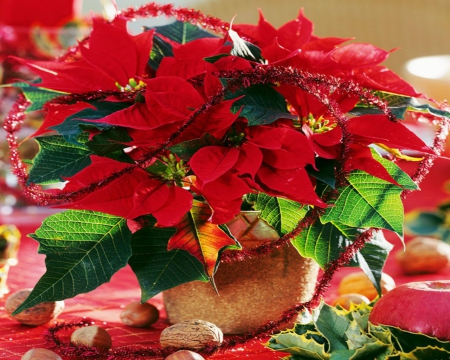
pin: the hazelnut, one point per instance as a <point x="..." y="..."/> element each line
<point x="193" y="334"/>
<point x="92" y="336"/>
<point x="424" y="255"/>
<point x="185" y="355"/>
<point x="37" y="315"/>
<point x="40" y="354"/>
<point x="345" y="300"/>
<point x="139" y="314"/>
<point x="358" y="282"/>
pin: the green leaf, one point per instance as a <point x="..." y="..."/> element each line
<point x="408" y="341"/>
<point x="58" y="159"/>
<point x="187" y="149"/>
<point x="261" y="104"/>
<point x="397" y="104"/>
<point x="333" y="326"/>
<point x="160" y="50"/>
<point x="110" y="143"/>
<point x="356" y="337"/>
<point x="322" y="242"/>
<point x="425" y="222"/>
<point x="324" y="172"/>
<point x="396" y="172"/>
<point x="372" y="258"/>
<point x="427" y="353"/>
<point x="84" y="249"/>
<point x="282" y="214"/>
<point x="301" y="346"/>
<point x="367" y="202"/>
<point x="182" y="32"/>
<point x="73" y="125"/>
<point x="158" y="269"/>
<point x="375" y="350"/>
<point x="36" y="95"/>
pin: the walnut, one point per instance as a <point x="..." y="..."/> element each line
<point x="92" y="336"/>
<point x="139" y="314"/>
<point x="40" y="354"/>
<point x="192" y="334"/>
<point x="424" y="255"/>
<point x="36" y="315"/>
<point x="185" y="355"/>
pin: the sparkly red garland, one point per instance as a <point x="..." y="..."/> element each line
<point x="312" y="83"/>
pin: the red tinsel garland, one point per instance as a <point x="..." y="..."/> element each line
<point x="312" y="83"/>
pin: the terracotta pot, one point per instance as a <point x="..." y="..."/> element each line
<point x="250" y="292"/>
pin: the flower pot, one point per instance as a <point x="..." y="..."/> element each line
<point x="250" y="292"/>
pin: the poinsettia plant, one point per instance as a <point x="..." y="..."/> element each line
<point x="156" y="141"/>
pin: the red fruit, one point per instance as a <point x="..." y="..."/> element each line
<point x="420" y="307"/>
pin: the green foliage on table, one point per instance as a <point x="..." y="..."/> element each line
<point x="333" y="333"/>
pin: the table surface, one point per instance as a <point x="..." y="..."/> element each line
<point x="104" y="304"/>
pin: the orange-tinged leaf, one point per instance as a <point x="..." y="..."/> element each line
<point x="198" y="236"/>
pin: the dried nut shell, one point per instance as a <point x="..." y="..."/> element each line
<point x="192" y="334"/>
<point x="40" y="354"/>
<point x="345" y="300"/>
<point x="37" y="315"/>
<point x="359" y="283"/>
<point x="424" y="255"/>
<point x="139" y="314"/>
<point x="92" y="336"/>
<point x="185" y="355"/>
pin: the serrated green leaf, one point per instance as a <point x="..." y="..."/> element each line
<point x="36" y="95"/>
<point x="356" y="337"/>
<point x="158" y="269"/>
<point x="408" y="341"/>
<point x="396" y="172"/>
<point x="58" y="159"/>
<point x="298" y="345"/>
<point x="367" y="202"/>
<point x="281" y="214"/>
<point x="182" y="32"/>
<point x="427" y="353"/>
<point x="84" y="249"/>
<point x="333" y="326"/>
<point x="322" y="242"/>
<point x="376" y="350"/>
<point x="261" y="104"/>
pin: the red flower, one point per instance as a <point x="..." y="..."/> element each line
<point x="113" y="58"/>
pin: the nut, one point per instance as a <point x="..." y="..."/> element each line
<point x="92" y="336"/>
<point x="193" y="334"/>
<point x="37" y="315"/>
<point x="185" y="355"/>
<point x="358" y="282"/>
<point x="424" y="255"/>
<point x="139" y="314"/>
<point x="345" y="300"/>
<point x="40" y="354"/>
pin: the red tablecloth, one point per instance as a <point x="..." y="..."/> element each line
<point x="105" y="303"/>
